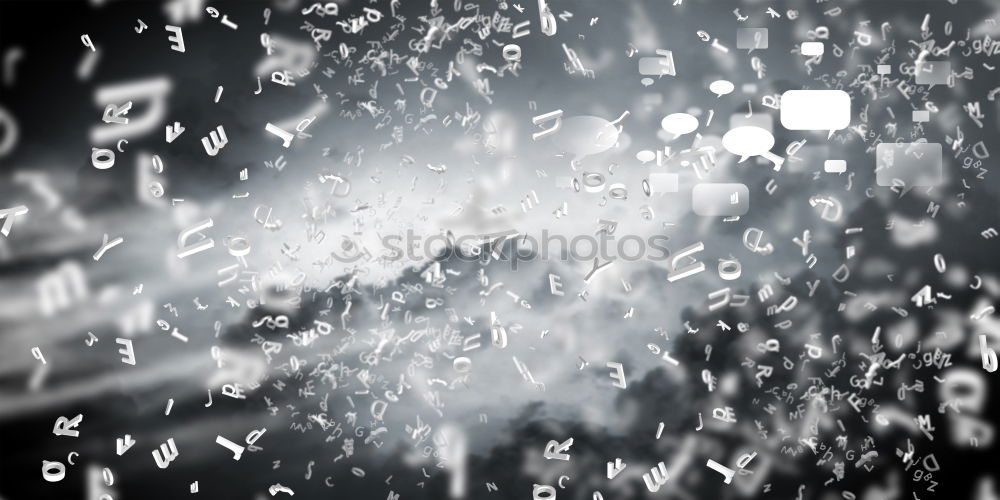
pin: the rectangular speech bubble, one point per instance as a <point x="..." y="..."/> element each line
<point x="912" y="164"/>
<point x="812" y="48"/>
<point x="657" y="66"/>
<point x="933" y="72"/>
<point x="835" y="166"/>
<point x="751" y="38"/>
<point x="720" y="200"/>
<point x="660" y="183"/>
<point x="815" y="110"/>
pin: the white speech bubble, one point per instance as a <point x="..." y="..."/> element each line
<point x="815" y="110"/>
<point x="646" y="82"/>
<point x="721" y="87"/>
<point x="812" y="48"/>
<point x="747" y="141"/>
<point x="835" y="166"/>
<point x="679" y="124"/>
<point x="645" y="156"/>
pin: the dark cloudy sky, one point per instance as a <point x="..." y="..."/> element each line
<point x="492" y="426"/>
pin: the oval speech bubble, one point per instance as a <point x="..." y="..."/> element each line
<point x="679" y="124"/>
<point x="721" y="87"/>
<point x="645" y="156"/>
<point x="747" y="141"/>
<point x="586" y="135"/>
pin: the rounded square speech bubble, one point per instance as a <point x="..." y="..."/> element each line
<point x="815" y="110"/>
